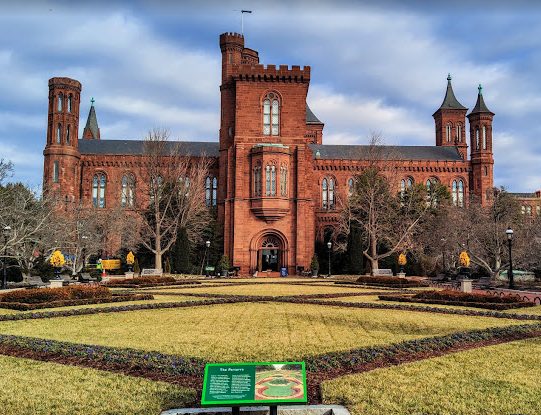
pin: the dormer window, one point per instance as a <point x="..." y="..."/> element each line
<point x="271" y="114"/>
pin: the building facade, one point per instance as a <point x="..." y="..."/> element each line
<point x="275" y="186"/>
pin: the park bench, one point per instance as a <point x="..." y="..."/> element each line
<point x="233" y="272"/>
<point x="152" y="272"/>
<point x="385" y="272"/>
<point x="304" y="272"/>
<point x="85" y="277"/>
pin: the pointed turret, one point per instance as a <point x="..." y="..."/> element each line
<point x="450" y="101"/>
<point x="91" y="131"/>
<point x="480" y="105"/>
<point x="450" y="119"/>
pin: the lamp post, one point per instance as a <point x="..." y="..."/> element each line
<point x="6" y="232"/>
<point x="329" y="246"/>
<point x="207" y="244"/>
<point x="443" y="253"/>
<point x="83" y="251"/>
<point x="509" y="233"/>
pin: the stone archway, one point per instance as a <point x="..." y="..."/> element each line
<point x="268" y="252"/>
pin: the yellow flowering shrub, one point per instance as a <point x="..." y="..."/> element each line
<point x="464" y="259"/>
<point x="57" y="259"/>
<point x="402" y="260"/>
<point x="130" y="258"/>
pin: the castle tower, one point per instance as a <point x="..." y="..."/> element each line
<point x="91" y="131"/>
<point x="450" y="120"/>
<point x="61" y="154"/>
<point x="482" y="177"/>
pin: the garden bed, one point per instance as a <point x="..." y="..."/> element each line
<point x="382" y="281"/>
<point x="460" y="299"/>
<point x="38" y="298"/>
<point x="142" y="282"/>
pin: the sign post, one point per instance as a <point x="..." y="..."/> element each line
<point x="260" y="383"/>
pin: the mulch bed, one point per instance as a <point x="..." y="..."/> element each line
<point x="485" y="305"/>
<point x="83" y="301"/>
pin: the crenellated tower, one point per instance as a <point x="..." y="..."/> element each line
<point x="482" y="160"/>
<point x="61" y="154"/>
<point x="450" y="120"/>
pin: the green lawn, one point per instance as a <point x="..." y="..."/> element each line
<point x="248" y="331"/>
<point x="42" y="388"/>
<point x="495" y="380"/>
<point x="275" y="289"/>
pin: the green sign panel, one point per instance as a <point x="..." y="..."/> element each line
<point x="260" y="383"/>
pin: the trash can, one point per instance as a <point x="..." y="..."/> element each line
<point x="283" y="272"/>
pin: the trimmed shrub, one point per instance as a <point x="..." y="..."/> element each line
<point x="83" y="301"/>
<point x="388" y="281"/>
<point x="148" y="282"/>
<point x="46" y="295"/>
<point x="465" y="297"/>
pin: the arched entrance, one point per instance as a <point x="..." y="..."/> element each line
<point x="268" y="252"/>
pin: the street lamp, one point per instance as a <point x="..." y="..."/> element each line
<point x="443" y="253"/>
<point x="6" y="232"/>
<point x="83" y="251"/>
<point x="207" y="244"/>
<point x="509" y="233"/>
<point x="329" y="246"/>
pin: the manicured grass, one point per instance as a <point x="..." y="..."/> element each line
<point x="249" y="331"/>
<point x="501" y="379"/>
<point x="273" y="289"/>
<point x="41" y="388"/>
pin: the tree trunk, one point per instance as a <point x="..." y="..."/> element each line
<point x="374" y="265"/>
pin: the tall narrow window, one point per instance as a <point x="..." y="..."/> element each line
<point x="448" y="132"/>
<point x="208" y="191"/>
<point x="528" y="210"/>
<point x="55" y="172"/>
<point x="477" y="138"/>
<point x="214" y="190"/>
<point x="98" y="190"/>
<point x="58" y="133"/>
<point x="331" y="194"/>
<point x="257" y="180"/>
<point x="454" y="193"/>
<point x="283" y="181"/>
<point x="60" y="102"/>
<point x="273" y="180"/>
<point x="324" y="190"/>
<point x="271" y="115"/>
<point x="405" y="185"/>
<point x="350" y="186"/>
<point x="460" y="193"/>
<point x="486" y="170"/>
<point x="457" y="193"/>
<point x="538" y="210"/>
<point x="68" y="134"/>
<point x="431" y="197"/>
<point x="267" y="181"/>
<point x="523" y="209"/>
<point x="70" y="99"/>
<point x="128" y="191"/>
<point x="459" y="132"/>
<point x="484" y="137"/>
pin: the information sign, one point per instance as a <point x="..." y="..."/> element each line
<point x="260" y="383"/>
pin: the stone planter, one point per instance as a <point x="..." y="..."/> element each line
<point x="56" y="283"/>
<point x="401" y="274"/>
<point x="128" y="275"/>
<point x="315" y="272"/>
<point x="466" y="286"/>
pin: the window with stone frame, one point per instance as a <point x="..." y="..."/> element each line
<point x="56" y="172"/>
<point x="283" y="180"/>
<point x="60" y="102"/>
<point x="328" y="193"/>
<point x="99" y="182"/>
<point x="457" y="192"/>
<point x="257" y="180"/>
<point x="127" y="198"/>
<point x="271" y="114"/>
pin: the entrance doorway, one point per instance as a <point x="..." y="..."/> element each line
<point x="270" y="253"/>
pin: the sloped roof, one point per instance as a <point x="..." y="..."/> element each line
<point x="311" y="117"/>
<point x="524" y="195"/>
<point x="480" y="105"/>
<point x="136" y="147"/>
<point x="362" y="152"/>
<point x="450" y="101"/>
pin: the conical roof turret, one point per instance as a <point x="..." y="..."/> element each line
<point x="480" y="105"/>
<point x="450" y="101"/>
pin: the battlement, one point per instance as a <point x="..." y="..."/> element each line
<point x="231" y="38"/>
<point x="260" y="72"/>
<point x="62" y="82"/>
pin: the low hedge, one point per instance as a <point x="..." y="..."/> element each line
<point x="148" y="282"/>
<point x="47" y="295"/>
<point x="352" y="359"/>
<point x="388" y="281"/>
<point x="465" y="297"/>
<point x="83" y="301"/>
<point x="458" y="302"/>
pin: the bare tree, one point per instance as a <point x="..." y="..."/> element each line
<point x="388" y="218"/>
<point x="6" y="169"/>
<point x="176" y="186"/>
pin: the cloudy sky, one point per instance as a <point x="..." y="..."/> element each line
<point x="376" y="66"/>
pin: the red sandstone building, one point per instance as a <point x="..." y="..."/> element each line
<point x="275" y="185"/>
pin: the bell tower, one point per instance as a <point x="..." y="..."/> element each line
<point x="482" y="160"/>
<point x="61" y="154"/>
<point x="450" y="120"/>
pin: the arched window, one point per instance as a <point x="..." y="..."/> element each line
<point x="431" y="198"/>
<point x="324" y="190"/>
<point x="58" y="133"/>
<point x="55" y="171"/>
<point x="528" y="210"/>
<point x="405" y="185"/>
<point x="267" y="181"/>
<point x="327" y="194"/>
<point x="70" y="98"/>
<point x="523" y="209"/>
<point x="183" y="186"/>
<point x="350" y="186"/>
<point x="214" y="191"/>
<point x="486" y="170"/>
<point x="60" y="102"/>
<point x="271" y="114"/>
<point x="99" y="182"/>
<point x="68" y="134"/>
<point x="484" y="137"/>
<point x="457" y="193"/>
<point x="459" y="132"/>
<point x="257" y="180"/>
<point x="283" y="181"/>
<point x="477" y="138"/>
<point x="448" y="129"/>
<point x="270" y="180"/>
<point x="128" y="191"/>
